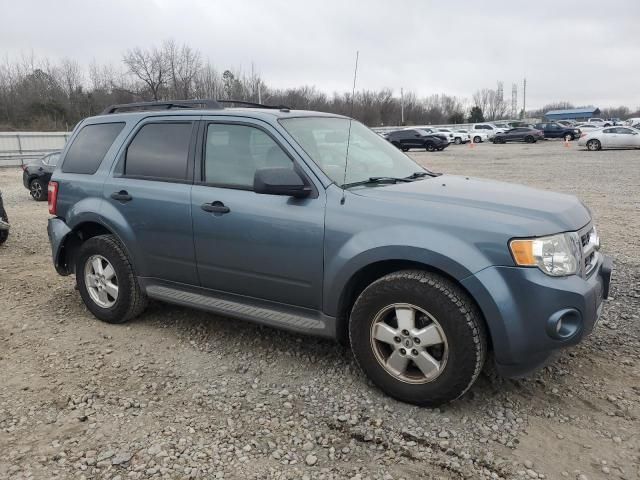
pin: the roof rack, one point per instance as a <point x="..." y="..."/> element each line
<point x="160" y="105"/>
<point x="253" y="104"/>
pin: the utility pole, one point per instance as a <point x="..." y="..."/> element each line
<point x="514" y="100"/>
<point x="401" y="106"/>
<point x="524" y="98"/>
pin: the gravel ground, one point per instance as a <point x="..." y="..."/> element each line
<point x="184" y="394"/>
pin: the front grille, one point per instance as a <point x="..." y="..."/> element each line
<point x="589" y="241"/>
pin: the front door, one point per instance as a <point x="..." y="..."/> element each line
<point x="262" y="246"/>
<point x="148" y="199"/>
<point x="610" y="137"/>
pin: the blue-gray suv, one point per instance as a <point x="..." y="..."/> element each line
<point x="313" y="223"/>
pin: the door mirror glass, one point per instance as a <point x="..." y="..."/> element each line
<point x="280" y="181"/>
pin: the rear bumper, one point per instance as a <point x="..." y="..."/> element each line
<point x="531" y="315"/>
<point x="57" y="230"/>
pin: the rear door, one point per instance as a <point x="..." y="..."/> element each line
<point x="627" y="137"/>
<point x="148" y="197"/>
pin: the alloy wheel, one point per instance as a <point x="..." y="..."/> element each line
<point x="36" y="190"/>
<point x="409" y="343"/>
<point x="101" y="281"/>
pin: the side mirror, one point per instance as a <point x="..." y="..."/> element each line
<point x="280" y="181"/>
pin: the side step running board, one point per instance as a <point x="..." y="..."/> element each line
<point x="279" y="316"/>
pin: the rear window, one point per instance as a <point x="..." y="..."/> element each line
<point x="89" y="147"/>
<point x="159" y="151"/>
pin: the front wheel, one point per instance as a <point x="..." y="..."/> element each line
<point x="477" y="139"/>
<point x="107" y="282"/>
<point x="594" y="145"/>
<point x="457" y="141"/>
<point x="529" y="139"/>
<point x="418" y="337"/>
<point x="430" y="147"/>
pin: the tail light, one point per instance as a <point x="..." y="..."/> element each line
<point x="52" y="191"/>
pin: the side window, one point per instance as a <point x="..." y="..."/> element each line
<point x="233" y="153"/>
<point x="159" y="151"/>
<point x="89" y="147"/>
<point x="625" y="131"/>
<point x="610" y="130"/>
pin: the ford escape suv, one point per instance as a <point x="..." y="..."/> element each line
<point x="311" y="222"/>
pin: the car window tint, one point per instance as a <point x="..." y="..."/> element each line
<point x="625" y="131"/>
<point x="89" y="147"/>
<point x="609" y="130"/>
<point x="159" y="151"/>
<point x="233" y="153"/>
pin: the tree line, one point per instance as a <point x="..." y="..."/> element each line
<point x="38" y="94"/>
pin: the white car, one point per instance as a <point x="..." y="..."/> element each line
<point x="456" y="137"/>
<point x="476" y="136"/>
<point x="611" y="137"/>
<point x="632" y="121"/>
<point x="599" y="121"/>
<point x="490" y="129"/>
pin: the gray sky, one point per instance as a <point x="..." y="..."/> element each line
<point x="585" y="52"/>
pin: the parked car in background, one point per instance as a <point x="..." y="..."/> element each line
<point x="435" y="131"/>
<point x="611" y="137"/>
<point x="410" y="138"/>
<point x="600" y="122"/>
<point x="556" y="130"/>
<point x="520" y="134"/>
<point x="567" y="123"/>
<point x="632" y="121"/>
<point x="488" y="128"/>
<point x="4" y="222"/>
<point x="588" y="127"/>
<point x="455" y="136"/>
<point x="36" y="175"/>
<point x="476" y="136"/>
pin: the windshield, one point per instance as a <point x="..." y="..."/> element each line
<point x="325" y="141"/>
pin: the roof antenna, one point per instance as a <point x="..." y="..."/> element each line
<point x="346" y="158"/>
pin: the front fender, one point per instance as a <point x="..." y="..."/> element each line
<point x="436" y="249"/>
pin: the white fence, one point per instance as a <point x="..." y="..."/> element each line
<point x="18" y="148"/>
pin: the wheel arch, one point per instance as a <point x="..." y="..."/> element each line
<point x="368" y="274"/>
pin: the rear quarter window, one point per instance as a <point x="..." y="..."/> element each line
<point x="89" y="147"/>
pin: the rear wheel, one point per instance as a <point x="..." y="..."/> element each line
<point x="418" y="337"/>
<point x="457" y="141"/>
<point x="529" y="139"/>
<point x="107" y="282"/>
<point x="38" y="190"/>
<point x="477" y="139"/>
<point x="594" y="145"/>
<point x="430" y="147"/>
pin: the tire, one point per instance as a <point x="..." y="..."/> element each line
<point x="477" y="139"/>
<point x="38" y="190"/>
<point x="404" y="149"/>
<point x="4" y="234"/>
<point x="529" y="139"/>
<point x="594" y="145"/>
<point x="569" y="137"/>
<point x="130" y="301"/>
<point x="457" y="141"/>
<point x="457" y="337"/>
<point x="430" y="147"/>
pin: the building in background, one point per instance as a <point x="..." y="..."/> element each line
<point x="577" y="114"/>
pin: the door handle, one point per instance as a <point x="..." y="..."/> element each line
<point x="121" y="196"/>
<point x="215" y="207"/>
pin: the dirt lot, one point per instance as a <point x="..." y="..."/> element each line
<point x="184" y="394"/>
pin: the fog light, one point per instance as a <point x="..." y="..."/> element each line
<point x="564" y="324"/>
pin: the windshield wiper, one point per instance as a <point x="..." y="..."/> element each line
<point x="377" y="180"/>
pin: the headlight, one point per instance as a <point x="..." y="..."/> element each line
<point x="556" y="255"/>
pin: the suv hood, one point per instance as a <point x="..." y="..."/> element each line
<point x="515" y="209"/>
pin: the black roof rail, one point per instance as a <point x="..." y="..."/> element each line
<point x="159" y="105"/>
<point x="255" y="105"/>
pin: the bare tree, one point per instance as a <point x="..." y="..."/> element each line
<point x="183" y="63"/>
<point x="150" y="66"/>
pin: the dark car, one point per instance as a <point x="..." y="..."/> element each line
<point x="418" y="138"/>
<point x="4" y="223"/>
<point x="520" y="134"/>
<point x="557" y="130"/>
<point x="36" y="175"/>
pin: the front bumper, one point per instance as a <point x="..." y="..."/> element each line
<point x="522" y="305"/>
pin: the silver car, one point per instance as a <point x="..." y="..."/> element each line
<point x="611" y="137"/>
